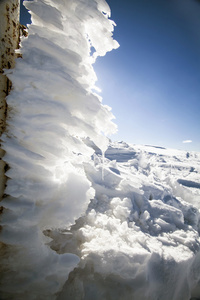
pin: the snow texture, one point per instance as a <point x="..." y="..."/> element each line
<point x="139" y="238"/>
<point x="76" y="224"/>
<point x="52" y="109"/>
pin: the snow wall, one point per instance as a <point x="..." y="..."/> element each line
<point x="53" y="114"/>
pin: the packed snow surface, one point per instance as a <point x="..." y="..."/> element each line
<point x="78" y="224"/>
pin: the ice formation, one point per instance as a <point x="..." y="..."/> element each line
<point x="77" y="225"/>
<point x="52" y="110"/>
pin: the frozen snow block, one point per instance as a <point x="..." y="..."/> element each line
<point x="166" y="213"/>
<point x="120" y="156"/>
<point x="111" y="179"/>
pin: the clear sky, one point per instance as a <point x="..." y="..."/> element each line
<point x="152" y="82"/>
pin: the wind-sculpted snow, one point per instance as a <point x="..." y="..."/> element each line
<point x="52" y="109"/>
<point x="75" y="224"/>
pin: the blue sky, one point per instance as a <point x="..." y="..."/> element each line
<point x="152" y="82"/>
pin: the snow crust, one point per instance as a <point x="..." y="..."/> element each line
<point x="77" y="225"/>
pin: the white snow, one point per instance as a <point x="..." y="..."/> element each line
<point x="52" y="109"/>
<point x="139" y="238"/>
<point x="78" y="224"/>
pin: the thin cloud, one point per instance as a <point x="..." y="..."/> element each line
<point x="187" y="141"/>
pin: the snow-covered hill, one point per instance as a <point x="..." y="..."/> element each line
<point x="140" y="236"/>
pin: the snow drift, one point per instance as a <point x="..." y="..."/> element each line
<point x="77" y="225"/>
